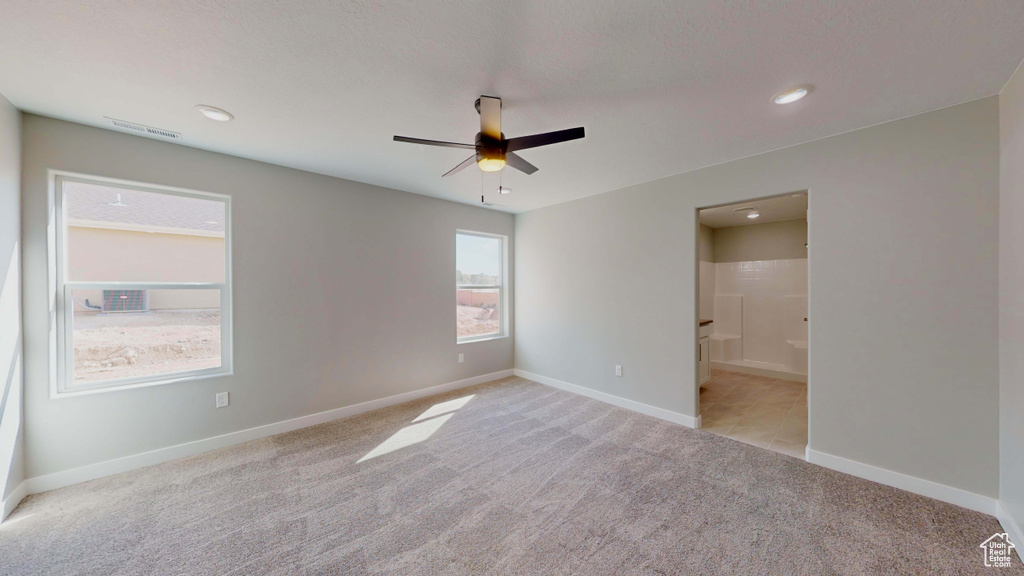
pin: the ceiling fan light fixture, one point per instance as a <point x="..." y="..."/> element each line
<point x="490" y="164"/>
<point x="493" y="150"/>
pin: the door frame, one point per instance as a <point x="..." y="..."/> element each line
<point x="696" y="299"/>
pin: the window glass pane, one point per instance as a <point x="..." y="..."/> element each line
<point x="132" y="333"/>
<point x="478" y="264"/>
<point x="477" y="260"/>
<point x="120" y="235"/>
<point x="479" y="312"/>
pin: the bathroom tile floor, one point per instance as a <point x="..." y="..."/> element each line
<point x="758" y="410"/>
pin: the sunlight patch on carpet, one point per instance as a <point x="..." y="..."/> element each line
<point x="444" y="408"/>
<point x="411" y="434"/>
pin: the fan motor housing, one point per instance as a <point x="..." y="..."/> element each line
<point x="488" y="148"/>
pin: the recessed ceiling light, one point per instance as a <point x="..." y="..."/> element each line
<point x="504" y="190"/>
<point x="214" y="113"/>
<point x="791" y="95"/>
<point x="753" y="215"/>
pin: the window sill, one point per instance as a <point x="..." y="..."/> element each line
<point x="485" y="339"/>
<point x="170" y="379"/>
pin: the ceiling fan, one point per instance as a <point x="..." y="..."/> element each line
<point x="492" y="150"/>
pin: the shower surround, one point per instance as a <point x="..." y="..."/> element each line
<point x="759" y="310"/>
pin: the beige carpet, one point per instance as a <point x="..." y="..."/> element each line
<point x="521" y="479"/>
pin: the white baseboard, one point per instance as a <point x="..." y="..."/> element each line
<point x="633" y="405"/>
<point x="12" y="501"/>
<point x="92" y="471"/>
<point x="960" y="497"/>
<point x="756" y="371"/>
<point x="1011" y="527"/>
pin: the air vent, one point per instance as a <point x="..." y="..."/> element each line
<point x="144" y="129"/>
<point x="128" y="125"/>
<point x="164" y="133"/>
<point x="743" y="209"/>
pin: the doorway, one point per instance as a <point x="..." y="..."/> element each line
<point x="752" y="292"/>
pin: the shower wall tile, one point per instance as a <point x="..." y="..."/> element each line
<point x="764" y="284"/>
<point x="706" y="290"/>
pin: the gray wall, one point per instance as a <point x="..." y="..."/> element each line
<point x="343" y="293"/>
<point x="1011" y="299"/>
<point x="706" y="244"/>
<point x="903" y="289"/>
<point x="769" y="241"/>
<point x="11" y="458"/>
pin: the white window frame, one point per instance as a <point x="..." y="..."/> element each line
<point x="502" y="292"/>
<point x="62" y="343"/>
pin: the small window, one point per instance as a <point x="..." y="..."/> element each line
<point x="479" y="285"/>
<point x="143" y="285"/>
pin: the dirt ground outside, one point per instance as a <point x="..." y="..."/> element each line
<point x="473" y="321"/>
<point x="109" y="346"/>
<point x="112" y="345"/>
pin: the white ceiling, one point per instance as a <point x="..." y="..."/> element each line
<point x="662" y="87"/>
<point x="776" y="209"/>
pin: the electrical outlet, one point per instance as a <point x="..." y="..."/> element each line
<point x="618" y="370"/>
<point x="222" y="399"/>
<point x="462" y="358"/>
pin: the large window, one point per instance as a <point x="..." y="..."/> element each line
<point x="479" y="285"/>
<point x="143" y="284"/>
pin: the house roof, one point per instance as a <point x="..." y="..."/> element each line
<point x="95" y="203"/>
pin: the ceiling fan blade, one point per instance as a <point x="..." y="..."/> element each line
<point x="524" y="142"/>
<point x="518" y="163"/>
<point x="465" y="164"/>
<point x="490" y="117"/>
<point x="434" y="143"/>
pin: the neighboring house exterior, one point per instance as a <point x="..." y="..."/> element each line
<point x="164" y="238"/>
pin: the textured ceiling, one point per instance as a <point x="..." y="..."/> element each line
<point x="789" y="207"/>
<point x="661" y="87"/>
